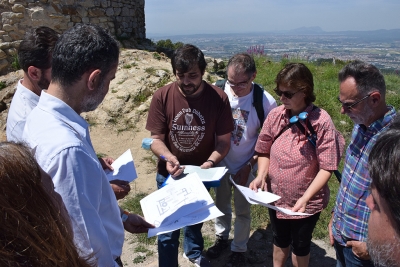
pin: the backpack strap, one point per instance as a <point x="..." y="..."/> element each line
<point x="220" y="84"/>
<point x="258" y="102"/>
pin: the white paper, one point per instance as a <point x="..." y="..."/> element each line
<point x="124" y="168"/>
<point x="184" y="202"/>
<point x="255" y="197"/>
<point x="263" y="198"/>
<point x="286" y="211"/>
<point x="208" y="213"/>
<point x="206" y="175"/>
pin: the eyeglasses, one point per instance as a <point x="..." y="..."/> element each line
<point x="288" y="95"/>
<point x="349" y="106"/>
<point x="240" y="85"/>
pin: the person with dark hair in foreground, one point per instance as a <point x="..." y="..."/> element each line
<point x="35" y="58"/>
<point x="34" y="229"/>
<point x="383" y="240"/>
<point x="191" y="123"/>
<point x="291" y="166"/>
<point x="85" y="61"/>
<point x="362" y="97"/>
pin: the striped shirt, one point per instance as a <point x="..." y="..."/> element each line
<point x="351" y="213"/>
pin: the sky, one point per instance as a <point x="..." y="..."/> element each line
<point x="175" y="17"/>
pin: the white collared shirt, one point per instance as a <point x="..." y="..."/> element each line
<point x="64" y="150"/>
<point x="23" y="102"/>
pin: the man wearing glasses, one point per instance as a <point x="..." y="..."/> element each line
<point x="362" y="95"/>
<point x="241" y="159"/>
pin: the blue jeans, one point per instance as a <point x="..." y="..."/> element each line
<point x="168" y="244"/>
<point x="346" y="258"/>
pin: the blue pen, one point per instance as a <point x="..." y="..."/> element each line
<point x="166" y="160"/>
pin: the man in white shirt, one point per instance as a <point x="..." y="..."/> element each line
<point x="34" y="57"/>
<point x="241" y="159"/>
<point x="85" y="60"/>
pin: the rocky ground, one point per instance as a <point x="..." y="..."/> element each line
<point x="118" y="124"/>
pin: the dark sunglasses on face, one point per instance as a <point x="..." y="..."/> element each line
<point x="288" y="95"/>
<point x="349" y="106"/>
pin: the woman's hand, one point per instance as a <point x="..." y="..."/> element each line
<point x="259" y="182"/>
<point x="300" y="205"/>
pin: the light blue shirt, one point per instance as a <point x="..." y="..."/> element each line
<point x="64" y="150"/>
<point x="23" y="102"/>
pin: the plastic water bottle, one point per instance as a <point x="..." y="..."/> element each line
<point x="146" y="143"/>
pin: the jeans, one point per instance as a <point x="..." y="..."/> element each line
<point x="346" y="258"/>
<point x="242" y="211"/>
<point x="168" y="244"/>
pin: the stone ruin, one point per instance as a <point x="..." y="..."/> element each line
<point x="123" y="18"/>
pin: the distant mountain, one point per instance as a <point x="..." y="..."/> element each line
<point x="376" y="35"/>
<point x="307" y="30"/>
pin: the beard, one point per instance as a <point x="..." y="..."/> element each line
<point x="189" y="89"/>
<point x="43" y="83"/>
<point x="363" y="117"/>
<point x="92" y="101"/>
<point x="384" y="254"/>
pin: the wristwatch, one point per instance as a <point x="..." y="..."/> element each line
<point x="124" y="216"/>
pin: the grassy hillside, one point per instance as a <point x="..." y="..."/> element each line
<point x="326" y="89"/>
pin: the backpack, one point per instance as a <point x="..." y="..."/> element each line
<point x="257" y="99"/>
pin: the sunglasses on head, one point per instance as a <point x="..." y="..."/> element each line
<point x="288" y="95"/>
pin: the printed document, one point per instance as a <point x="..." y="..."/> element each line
<point x="263" y="198"/>
<point x="206" y="175"/>
<point x="183" y="202"/>
<point x="124" y="168"/>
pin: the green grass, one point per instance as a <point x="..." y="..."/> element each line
<point x="151" y="71"/>
<point x="157" y="56"/>
<point x="2" y="85"/>
<point x="133" y="206"/>
<point x="15" y="63"/>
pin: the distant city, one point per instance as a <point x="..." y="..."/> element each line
<point x="381" y="48"/>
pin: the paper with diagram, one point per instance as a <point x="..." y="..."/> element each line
<point x="124" y="168"/>
<point x="263" y="198"/>
<point x="184" y="202"/>
<point x="206" y="175"/>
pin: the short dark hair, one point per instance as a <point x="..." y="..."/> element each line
<point x="82" y="48"/>
<point x="297" y="76"/>
<point x="185" y="57"/>
<point x="384" y="169"/>
<point x="242" y="62"/>
<point x="368" y="77"/>
<point x="36" y="48"/>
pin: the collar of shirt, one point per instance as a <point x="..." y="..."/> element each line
<point x="64" y="112"/>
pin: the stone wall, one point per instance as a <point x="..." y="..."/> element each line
<point x="123" y="18"/>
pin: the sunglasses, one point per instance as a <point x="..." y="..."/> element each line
<point x="349" y="106"/>
<point x="288" y="95"/>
